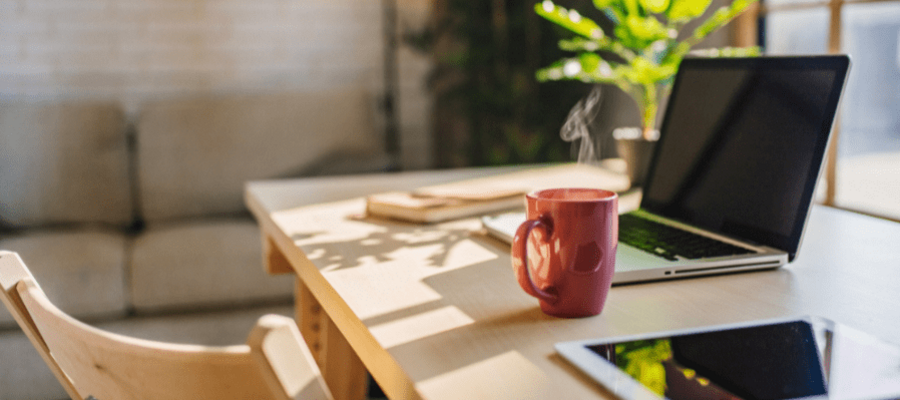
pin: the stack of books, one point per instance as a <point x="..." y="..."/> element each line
<point x="487" y="195"/>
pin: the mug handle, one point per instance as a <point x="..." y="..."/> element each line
<point x="520" y="259"/>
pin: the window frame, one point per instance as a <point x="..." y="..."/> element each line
<point x="746" y="32"/>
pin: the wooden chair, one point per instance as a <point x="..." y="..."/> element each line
<point x="92" y="363"/>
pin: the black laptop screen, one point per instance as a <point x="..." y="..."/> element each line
<point x="742" y="144"/>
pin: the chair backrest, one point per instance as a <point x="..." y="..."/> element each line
<point x="89" y="362"/>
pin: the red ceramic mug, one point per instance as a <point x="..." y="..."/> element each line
<point x="570" y="241"/>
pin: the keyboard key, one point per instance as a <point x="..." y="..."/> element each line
<point x="669" y="242"/>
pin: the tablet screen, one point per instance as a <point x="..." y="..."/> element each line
<point x="779" y="361"/>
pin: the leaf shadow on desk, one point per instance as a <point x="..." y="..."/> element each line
<point x="303" y="236"/>
<point x="502" y="312"/>
<point x="379" y="241"/>
<point x="489" y="294"/>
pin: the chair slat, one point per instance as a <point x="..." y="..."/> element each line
<point x="274" y="364"/>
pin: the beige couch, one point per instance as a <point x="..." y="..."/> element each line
<point x="138" y="226"/>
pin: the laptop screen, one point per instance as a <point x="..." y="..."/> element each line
<point x="742" y="144"/>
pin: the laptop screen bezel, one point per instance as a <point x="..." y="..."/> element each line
<point x="838" y="63"/>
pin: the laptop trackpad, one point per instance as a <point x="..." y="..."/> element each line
<point x="630" y="259"/>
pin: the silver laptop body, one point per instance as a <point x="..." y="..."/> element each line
<point x="740" y="151"/>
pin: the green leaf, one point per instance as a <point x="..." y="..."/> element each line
<point x="579" y="44"/>
<point x="638" y="32"/>
<point x="569" y="19"/>
<point x="723" y="52"/>
<point x="646" y="28"/>
<point x="589" y="61"/>
<point x="587" y="67"/>
<point x="601" y="4"/>
<point x="685" y="10"/>
<point x="721" y="17"/>
<point x="644" y="72"/>
<point x="645" y="365"/>
<point x="613" y="16"/>
<point x="655" y="6"/>
<point x="631" y="6"/>
<point x="552" y="73"/>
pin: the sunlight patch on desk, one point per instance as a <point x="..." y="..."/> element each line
<point x="335" y="232"/>
<point x="461" y="225"/>
<point x="420" y="236"/>
<point x="404" y="270"/>
<point x="366" y="261"/>
<point x="419" y="326"/>
<point x="315" y="254"/>
<point x="330" y="267"/>
<point x="465" y="253"/>
<point x="308" y="225"/>
<point x="363" y="287"/>
<point x="422" y="255"/>
<point x="504" y="377"/>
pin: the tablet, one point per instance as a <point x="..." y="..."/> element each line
<point x="809" y="357"/>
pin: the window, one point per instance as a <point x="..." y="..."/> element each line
<point x="863" y="171"/>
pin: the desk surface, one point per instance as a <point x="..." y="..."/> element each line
<point x="434" y="311"/>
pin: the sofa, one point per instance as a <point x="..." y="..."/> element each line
<point x="136" y="223"/>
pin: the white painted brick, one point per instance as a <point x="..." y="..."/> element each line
<point x="180" y="26"/>
<point x="58" y="53"/>
<point x="25" y="26"/>
<point x="91" y="78"/>
<point x="64" y="7"/>
<point x="254" y="15"/>
<point x="85" y="24"/>
<point x="139" y="49"/>
<point x="83" y="21"/>
<point x="25" y="72"/>
<point x="9" y="85"/>
<point x="71" y="42"/>
<point x="188" y="62"/>
<point x="9" y="44"/>
<point x="10" y="8"/>
<point x="339" y="17"/>
<point x="249" y="36"/>
<point x="156" y="8"/>
<point x="112" y="71"/>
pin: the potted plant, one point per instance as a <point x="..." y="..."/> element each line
<point x="640" y="55"/>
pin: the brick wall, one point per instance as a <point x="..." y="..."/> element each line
<point x="133" y="50"/>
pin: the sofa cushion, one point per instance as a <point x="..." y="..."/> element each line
<point x="194" y="155"/>
<point x="63" y="163"/>
<point x="199" y="264"/>
<point x="82" y="271"/>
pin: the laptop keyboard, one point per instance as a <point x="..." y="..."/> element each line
<point x="671" y="243"/>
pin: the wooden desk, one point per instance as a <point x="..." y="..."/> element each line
<point x="435" y="312"/>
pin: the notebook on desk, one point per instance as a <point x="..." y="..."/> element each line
<point x="734" y="173"/>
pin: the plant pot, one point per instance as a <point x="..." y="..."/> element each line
<point x="636" y="151"/>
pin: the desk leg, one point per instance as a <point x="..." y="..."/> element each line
<point x="273" y="259"/>
<point x="343" y="371"/>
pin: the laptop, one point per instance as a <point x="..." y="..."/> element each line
<point x="734" y="172"/>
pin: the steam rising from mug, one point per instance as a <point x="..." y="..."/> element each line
<point x="577" y="126"/>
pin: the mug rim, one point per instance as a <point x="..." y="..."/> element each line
<point x="608" y="195"/>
